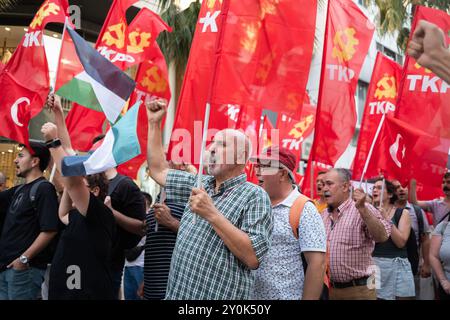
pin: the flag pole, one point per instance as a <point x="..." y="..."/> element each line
<point x="312" y="179"/>
<point x="52" y="90"/>
<point x="224" y="13"/>
<point x="369" y="156"/>
<point x="382" y="193"/>
<point x="312" y="153"/>
<point x="52" y="174"/>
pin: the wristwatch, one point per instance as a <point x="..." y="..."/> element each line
<point x="54" y="143"/>
<point x="23" y="259"/>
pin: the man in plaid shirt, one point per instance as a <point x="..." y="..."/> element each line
<point x="352" y="228"/>
<point x="214" y="255"/>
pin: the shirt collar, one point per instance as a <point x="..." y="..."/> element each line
<point x="228" y="184"/>
<point x="343" y="206"/>
<point x="289" y="201"/>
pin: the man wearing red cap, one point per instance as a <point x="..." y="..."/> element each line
<point x="281" y="273"/>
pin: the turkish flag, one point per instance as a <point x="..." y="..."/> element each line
<point x="24" y="80"/>
<point x="151" y="82"/>
<point x="258" y="53"/>
<point x="348" y="35"/>
<point x="404" y="152"/>
<point x="381" y="99"/>
<point x="84" y="125"/>
<point x="126" y="45"/>
<point x="423" y="95"/>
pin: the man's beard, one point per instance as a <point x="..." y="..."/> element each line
<point x="25" y="173"/>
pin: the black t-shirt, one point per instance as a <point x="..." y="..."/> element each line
<point x="23" y="223"/>
<point x="128" y="200"/>
<point x="84" y="249"/>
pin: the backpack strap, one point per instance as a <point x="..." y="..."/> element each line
<point x="116" y="181"/>
<point x="296" y="211"/>
<point x="444" y="217"/>
<point x="294" y="220"/>
<point x="398" y="215"/>
<point x="420" y="221"/>
<point x="33" y="191"/>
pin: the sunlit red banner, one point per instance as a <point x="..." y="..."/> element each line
<point x="347" y="39"/>
<point x="381" y="99"/>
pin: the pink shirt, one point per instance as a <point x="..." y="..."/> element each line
<point x="350" y="244"/>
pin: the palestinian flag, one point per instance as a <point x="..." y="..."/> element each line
<point x="89" y="79"/>
<point x="120" y="145"/>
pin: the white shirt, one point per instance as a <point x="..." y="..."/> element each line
<point x="280" y="275"/>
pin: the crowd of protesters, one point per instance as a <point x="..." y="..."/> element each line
<point x="219" y="237"/>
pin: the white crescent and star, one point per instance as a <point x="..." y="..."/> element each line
<point x="393" y="150"/>
<point x="15" y="109"/>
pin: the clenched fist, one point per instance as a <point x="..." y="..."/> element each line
<point x="156" y="110"/>
<point x="202" y="204"/>
<point x="49" y="131"/>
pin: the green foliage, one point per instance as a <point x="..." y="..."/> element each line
<point x="396" y="15"/>
<point x="176" y="44"/>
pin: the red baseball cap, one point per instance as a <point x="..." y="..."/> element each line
<point x="281" y="157"/>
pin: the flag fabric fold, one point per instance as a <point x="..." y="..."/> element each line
<point x="24" y="80"/>
<point x="119" y="146"/>
<point x="381" y="99"/>
<point x="348" y="34"/>
<point x="86" y="77"/>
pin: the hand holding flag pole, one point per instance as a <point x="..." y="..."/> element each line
<point x="369" y="156"/>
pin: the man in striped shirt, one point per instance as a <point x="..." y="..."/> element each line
<point x="352" y="230"/>
<point x="214" y="254"/>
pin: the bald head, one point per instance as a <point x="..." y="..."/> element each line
<point x="243" y="146"/>
<point x="228" y="153"/>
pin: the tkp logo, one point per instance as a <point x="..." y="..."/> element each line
<point x="46" y="10"/>
<point x="386" y="88"/>
<point x="116" y="36"/>
<point x="345" y="44"/>
<point x="153" y="81"/>
<point x="300" y="127"/>
<point x="397" y="150"/>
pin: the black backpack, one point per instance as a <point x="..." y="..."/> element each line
<point x="411" y="244"/>
<point x="420" y="222"/>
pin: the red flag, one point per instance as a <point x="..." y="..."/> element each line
<point x="25" y="79"/>
<point x="381" y="99"/>
<point x="84" y="125"/>
<point x="151" y="82"/>
<point x="404" y="152"/>
<point x="293" y="131"/>
<point x="259" y="61"/>
<point x="423" y="95"/>
<point x="126" y="45"/>
<point x="249" y="121"/>
<point x="265" y="53"/>
<point x="348" y="35"/>
<point x="269" y="135"/>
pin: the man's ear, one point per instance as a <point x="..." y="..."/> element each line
<point x="346" y="186"/>
<point x="96" y="191"/>
<point x="35" y="162"/>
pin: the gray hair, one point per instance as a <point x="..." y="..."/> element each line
<point x="2" y="178"/>
<point x="241" y="140"/>
<point x="344" y="174"/>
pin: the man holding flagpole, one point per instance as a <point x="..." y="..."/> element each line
<point x="214" y="254"/>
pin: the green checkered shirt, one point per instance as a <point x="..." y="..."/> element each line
<point x="202" y="267"/>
